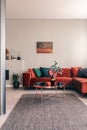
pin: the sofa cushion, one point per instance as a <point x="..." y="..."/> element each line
<point x="32" y="73"/>
<point x="39" y="79"/>
<point x="80" y="84"/>
<point x="82" y="72"/>
<point x="65" y="73"/>
<point x="80" y="79"/>
<point x="37" y="72"/>
<point x="45" y="72"/>
<point x="74" y="71"/>
<point x="65" y="80"/>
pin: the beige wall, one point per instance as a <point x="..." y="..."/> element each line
<point x="68" y="37"/>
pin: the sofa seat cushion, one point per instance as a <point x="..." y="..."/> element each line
<point x="39" y="79"/>
<point x="80" y="79"/>
<point x="80" y="84"/>
<point x="66" y="80"/>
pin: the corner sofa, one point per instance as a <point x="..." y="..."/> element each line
<point x="69" y="77"/>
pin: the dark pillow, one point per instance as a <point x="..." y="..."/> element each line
<point x="82" y="72"/>
<point x="45" y="72"/>
<point x="37" y="72"/>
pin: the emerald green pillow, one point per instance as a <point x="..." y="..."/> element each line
<point x="45" y="72"/>
<point x="37" y="72"/>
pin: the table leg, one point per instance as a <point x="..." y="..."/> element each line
<point x="36" y="90"/>
<point x="64" y="91"/>
<point x="56" y="89"/>
<point x="41" y="92"/>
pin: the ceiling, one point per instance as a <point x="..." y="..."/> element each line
<point x="46" y="9"/>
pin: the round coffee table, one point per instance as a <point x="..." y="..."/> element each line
<point x="42" y="85"/>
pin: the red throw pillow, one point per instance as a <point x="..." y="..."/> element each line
<point x="74" y="71"/>
<point x="32" y="72"/>
<point x="65" y="73"/>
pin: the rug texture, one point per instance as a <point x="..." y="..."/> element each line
<point x="32" y="113"/>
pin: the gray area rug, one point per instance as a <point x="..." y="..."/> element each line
<point x="32" y="113"/>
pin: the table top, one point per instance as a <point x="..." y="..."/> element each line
<point x="44" y="85"/>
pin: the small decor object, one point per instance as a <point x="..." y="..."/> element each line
<point x="7" y="52"/>
<point x="12" y="57"/>
<point x="7" y="74"/>
<point x="18" y="58"/>
<point x="44" y="47"/>
<point x="52" y="80"/>
<point x="15" y="78"/>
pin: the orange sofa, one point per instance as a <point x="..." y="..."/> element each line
<point x="80" y="84"/>
<point x="69" y="77"/>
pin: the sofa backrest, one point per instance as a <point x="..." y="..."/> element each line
<point x="65" y="73"/>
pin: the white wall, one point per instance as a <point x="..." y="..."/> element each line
<point x="86" y="46"/>
<point x="68" y="37"/>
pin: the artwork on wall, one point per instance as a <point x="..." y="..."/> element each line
<point x="44" y="47"/>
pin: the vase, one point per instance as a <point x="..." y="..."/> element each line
<point x="52" y="80"/>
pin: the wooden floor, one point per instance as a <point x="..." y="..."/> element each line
<point x="13" y="95"/>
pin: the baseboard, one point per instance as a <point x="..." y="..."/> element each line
<point x="7" y="85"/>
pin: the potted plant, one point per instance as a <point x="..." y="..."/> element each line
<point x="15" y="78"/>
<point x="54" y="69"/>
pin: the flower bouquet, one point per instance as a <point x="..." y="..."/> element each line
<point x="54" y="70"/>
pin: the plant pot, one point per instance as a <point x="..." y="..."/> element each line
<point x="16" y="85"/>
<point x="52" y="80"/>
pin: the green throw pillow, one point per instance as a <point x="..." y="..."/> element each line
<point x="45" y="72"/>
<point x="37" y="72"/>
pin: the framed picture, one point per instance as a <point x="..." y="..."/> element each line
<point x="44" y="47"/>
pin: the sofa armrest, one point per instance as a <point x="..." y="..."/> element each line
<point x="26" y="79"/>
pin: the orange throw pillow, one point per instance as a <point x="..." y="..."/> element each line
<point x="74" y="71"/>
<point x="32" y="72"/>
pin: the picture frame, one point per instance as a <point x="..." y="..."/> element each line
<point x="44" y="47"/>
